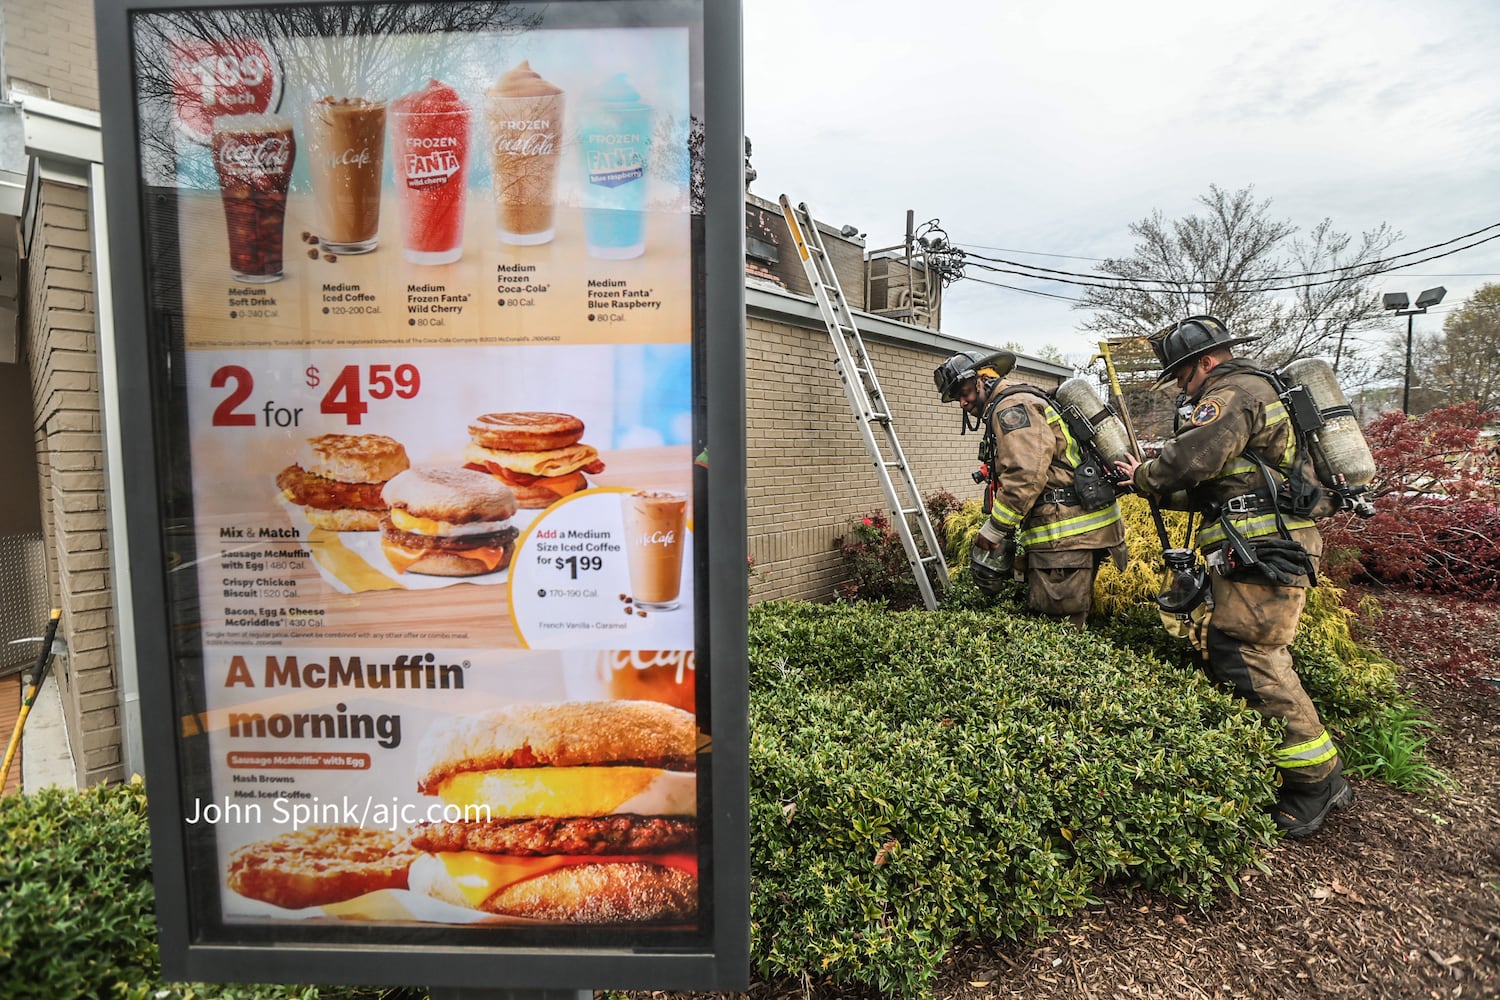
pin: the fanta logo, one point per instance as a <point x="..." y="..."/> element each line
<point x="612" y="168"/>
<point x="430" y="169"/>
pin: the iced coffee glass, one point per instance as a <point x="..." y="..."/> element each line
<point x="346" y="143"/>
<point x="524" y="113"/>
<point x="430" y="146"/>
<point x="655" y="522"/>
<point x="253" y="155"/>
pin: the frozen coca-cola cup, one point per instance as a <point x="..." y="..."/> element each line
<point x="655" y="521"/>
<point x="253" y="155"/>
<point x="430" y="147"/>
<point x="524" y="113"/>
<point x="346" y="145"/>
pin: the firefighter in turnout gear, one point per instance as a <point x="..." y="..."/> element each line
<point x="1030" y="462"/>
<point x="1235" y="455"/>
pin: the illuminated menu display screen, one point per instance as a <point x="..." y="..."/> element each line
<point x="427" y="279"/>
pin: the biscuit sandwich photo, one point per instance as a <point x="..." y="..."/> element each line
<point x="338" y="480"/>
<point x="448" y="522"/>
<point x="539" y="455"/>
<point x="575" y="812"/>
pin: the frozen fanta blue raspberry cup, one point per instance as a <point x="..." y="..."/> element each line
<point x="614" y="141"/>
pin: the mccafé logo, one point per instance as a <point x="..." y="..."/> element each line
<point x="659" y="538"/>
<point x="349" y="158"/>
<point x="531" y="144"/>
<point x="679" y="661"/>
<point x="430" y="169"/>
<point x="270" y="154"/>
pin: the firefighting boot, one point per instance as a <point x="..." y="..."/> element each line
<point x="1301" y="809"/>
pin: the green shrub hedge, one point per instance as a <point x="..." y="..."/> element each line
<point x="920" y="777"/>
<point x="76" y="905"/>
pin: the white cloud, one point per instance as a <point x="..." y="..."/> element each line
<point x="1053" y="129"/>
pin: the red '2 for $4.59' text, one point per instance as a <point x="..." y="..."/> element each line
<point x="346" y="395"/>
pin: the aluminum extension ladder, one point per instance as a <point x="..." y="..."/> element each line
<point x="868" y="402"/>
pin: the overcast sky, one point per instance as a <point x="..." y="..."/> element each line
<point x="1052" y="130"/>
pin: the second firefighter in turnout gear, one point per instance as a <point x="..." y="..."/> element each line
<point x="1235" y="458"/>
<point x="1030" y="462"/>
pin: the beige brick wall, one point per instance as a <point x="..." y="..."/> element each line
<point x="63" y="354"/>
<point x="49" y="50"/>
<point x="808" y="474"/>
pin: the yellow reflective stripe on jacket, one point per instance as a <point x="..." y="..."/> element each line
<point x="1309" y="754"/>
<point x="1074" y="453"/>
<point x="1003" y="515"/>
<point x="1254" y="526"/>
<point x="1068" y="527"/>
<point x="1238" y="466"/>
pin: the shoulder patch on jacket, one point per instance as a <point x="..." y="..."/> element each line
<point x="1013" y="418"/>
<point x="1207" y="411"/>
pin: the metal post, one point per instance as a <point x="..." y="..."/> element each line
<point x="1406" y="384"/>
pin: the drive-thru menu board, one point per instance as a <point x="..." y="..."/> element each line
<point x="427" y="284"/>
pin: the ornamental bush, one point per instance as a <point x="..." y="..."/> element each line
<point x="1437" y="499"/>
<point x="922" y="777"/>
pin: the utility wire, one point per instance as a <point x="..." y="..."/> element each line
<point x="1175" y="288"/>
<point x="1273" y="277"/>
<point x="1017" y="288"/>
<point x="1034" y="253"/>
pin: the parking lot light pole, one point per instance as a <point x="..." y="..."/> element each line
<point x="1397" y="303"/>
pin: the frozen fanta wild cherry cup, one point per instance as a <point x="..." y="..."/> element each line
<point x="430" y="146"/>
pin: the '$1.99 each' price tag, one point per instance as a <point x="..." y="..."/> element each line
<point x="347" y="391"/>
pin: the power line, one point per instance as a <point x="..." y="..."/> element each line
<point x="1179" y="287"/>
<point x="1017" y="288"/>
<point x="1033" y="253"/>
<point x="1274" y="277"/>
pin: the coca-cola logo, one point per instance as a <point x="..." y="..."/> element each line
<point x="528" y="144"/>
<point x="271" y="154"/>
<point x="351" y="157"/>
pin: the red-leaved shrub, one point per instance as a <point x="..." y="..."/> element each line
<point x="1437" y="495"/>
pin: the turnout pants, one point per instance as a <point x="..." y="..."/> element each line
<point x="1249" y="639"/>
<point x="1061" y="584"/>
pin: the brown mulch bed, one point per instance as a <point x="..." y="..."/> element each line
<point x="1398" y="897"/>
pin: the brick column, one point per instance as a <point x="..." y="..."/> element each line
<point x="63" y="352"/>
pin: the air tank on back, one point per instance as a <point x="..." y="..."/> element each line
<point x="1109" y="430"/>
<point x="1344" y="451"/>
